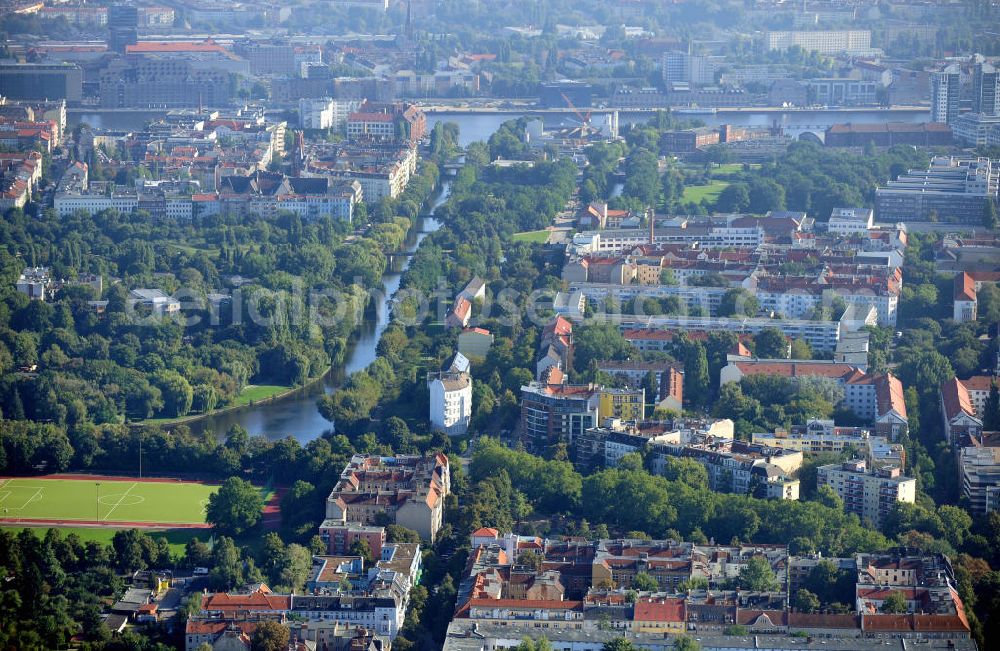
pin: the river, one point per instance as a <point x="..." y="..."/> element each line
<point x="296" y="415"/>
<point x="480" y="126"/>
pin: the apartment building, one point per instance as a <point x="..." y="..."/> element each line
<point x="962" y="415"/>
<point x="946" y="90"/>
<point x="387" y="123"/>
<point x="737" y="466"/>
<point x="325" y="112"/>
<point x="850" y="221"/>
<point x="979" y="466"/>
<point x="623" y="404"/>
<point x="450" y="401"/>
<point x="583" y="594"/>
<point x="869" y="494"/>
<point x="408" y="489"/>
<point x="820" y="436"/>
<point x="557" y="413"/>
<point x="668" y="379"/>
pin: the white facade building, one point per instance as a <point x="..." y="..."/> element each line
<point x="850" y="221"/>
<point x="450" y="402"/>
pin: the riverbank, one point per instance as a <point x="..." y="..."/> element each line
<point x="293" y="412"/>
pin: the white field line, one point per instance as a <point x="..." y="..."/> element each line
<point x="120" y="499"/>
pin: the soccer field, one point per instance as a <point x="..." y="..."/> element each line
<point x="102" y="500"/>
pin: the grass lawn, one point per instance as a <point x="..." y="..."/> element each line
<point x="257" y="392"/>
<point x="176" y="538"/>
<point x="535" y="237"/>
<point x="696" y="193"/>
<point x="251" y="393"/>
<point x="103" y="500"/>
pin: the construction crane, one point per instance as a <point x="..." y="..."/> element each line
<point x="583" y="117"/>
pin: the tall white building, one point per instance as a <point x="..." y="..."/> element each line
<point x="325" y="113"/>
<point x="945" y="90"/>
<point x="450" y="401"/>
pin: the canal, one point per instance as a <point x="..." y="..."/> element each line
<point x="296" y="414"/>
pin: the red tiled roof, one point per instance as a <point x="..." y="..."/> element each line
<point x="965" y="287"/>
<point x="483" y="532"/>
<point x="956" y="399"/>
<point x="794" y="369"/>
<point x="889" y="395"/>
<point x="978" y="383"/>
<point x="659" y="610"/>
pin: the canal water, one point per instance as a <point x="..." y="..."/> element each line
<point x="296" y="415"/>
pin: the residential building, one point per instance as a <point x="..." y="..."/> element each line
<point x="822" y="436"/>
<point x="325" y="112"/>
<point x="961" y="415"/>
<point x="850" y="221"/>
<point x="737" y="466"/>
<point x="390" y="123"/>
<point x="409" y="489"/>
<point x="623" y="404"/>
<point x="155" y="301"/>
<point x="668" y="379"/>
<point x="20" y="173"/>
<point x="460" y="313"/>
<point x="36" y="283"/>
<point x="555" y="347"/>
<point x="946" y="92"/>
<point x="869" y="494"/>
<point x="690" y="68"/>
<point x="269" y="193"/>
<point x="450" y="401"/>
<point x="980" y="470"/>
<point x="583" y="594"/>
<point x="950" y="190"/>
<point x="964" y="300"/>
<point x="341" y="537"/>
<point x="557" y="413"/>
<point x="986" y="90"/>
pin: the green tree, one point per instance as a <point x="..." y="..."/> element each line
<point x="805" y="601"/>
<point x="737" y="302"/>
<point x="894" y="603"/>
<point x="990" y="214"/>
<point x="770" y="343"/>
<point x="991" y="410"/>
<point x="619" y="644"/>
<point x="645" y="583"/>
<point x="734" y="198"/>
<point x="757" y="575"/>
<point x="236" y="507"/>
<point x="269" y="636"/>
